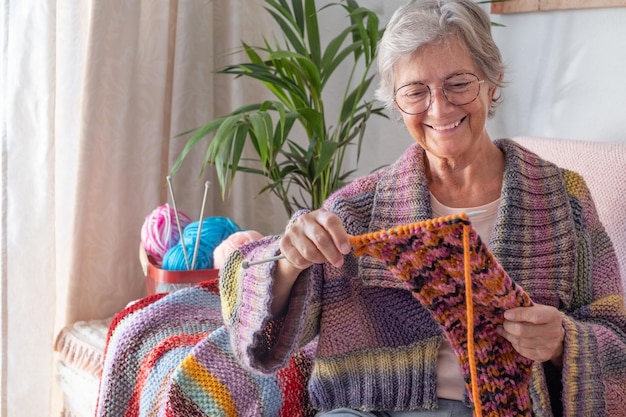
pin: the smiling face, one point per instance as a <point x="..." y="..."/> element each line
<point x="445" y="130"/>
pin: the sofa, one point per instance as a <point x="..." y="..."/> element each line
<point x="603" y="166"/>
<point x="81" y="346"/>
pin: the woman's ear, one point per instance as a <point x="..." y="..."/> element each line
<point x="492" y="92"/>
<point x="493" y="89"/>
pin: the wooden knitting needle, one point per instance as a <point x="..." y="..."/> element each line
<point x="248" y="264"/>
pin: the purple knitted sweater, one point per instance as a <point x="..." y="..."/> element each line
<point x="377" y="345"/>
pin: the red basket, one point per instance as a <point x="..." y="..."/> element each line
<point x="161" y="280"/>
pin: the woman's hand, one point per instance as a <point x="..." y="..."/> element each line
<point x="316" y="237"/>
<point x="536" y="332"/>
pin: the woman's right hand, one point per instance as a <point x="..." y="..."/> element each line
<point x="314" y="238"/>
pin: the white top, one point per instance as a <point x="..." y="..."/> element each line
<point x="450" y="384"/>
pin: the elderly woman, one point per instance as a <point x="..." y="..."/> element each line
<point x="379" y="352"/>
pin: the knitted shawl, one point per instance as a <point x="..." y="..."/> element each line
<point x="378" y="346"/>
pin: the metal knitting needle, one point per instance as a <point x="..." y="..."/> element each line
<point x="248" y="264"/>
<point x="195" y="249"/>
<point x="180" y="232"/>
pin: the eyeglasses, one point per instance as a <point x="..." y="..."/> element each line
<point x="459" y="89"/>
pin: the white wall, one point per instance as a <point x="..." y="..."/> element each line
<point x="566" y="78"/>
<point x="566" y="74"/>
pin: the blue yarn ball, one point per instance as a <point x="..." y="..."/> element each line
<point x="214" y="231"/>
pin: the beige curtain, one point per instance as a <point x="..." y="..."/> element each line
<point x="93" y="93"/>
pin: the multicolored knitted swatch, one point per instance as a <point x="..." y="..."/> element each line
<point x="453" y="274"/>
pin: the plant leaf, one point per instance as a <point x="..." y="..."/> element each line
<point x="258" y="129"/>
<point x="220" y="150"/>
<point x="199" y="134"/>
<point x="312" y="31"/>
<point x="293" y="38"/>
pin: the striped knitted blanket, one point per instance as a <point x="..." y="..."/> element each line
<point x="169" y="355"/>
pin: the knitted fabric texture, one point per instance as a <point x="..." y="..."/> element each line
<point x="453" y="274"/>
<point x="377" y="344"/>
<point x="210" y="382"/>
<point x="169" y="355"/>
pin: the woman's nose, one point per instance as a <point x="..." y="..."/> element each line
<point x="439" y="104"/>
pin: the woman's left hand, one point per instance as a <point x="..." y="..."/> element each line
<point x="536" y="332"/>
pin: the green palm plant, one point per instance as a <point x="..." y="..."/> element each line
<point x="296" y="72"/>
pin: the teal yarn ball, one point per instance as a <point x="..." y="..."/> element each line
<point x="213" y="232"/>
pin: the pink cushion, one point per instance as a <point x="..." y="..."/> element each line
<point x="603" y="166"/>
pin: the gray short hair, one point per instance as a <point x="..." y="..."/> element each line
<point x="422" y="22"/>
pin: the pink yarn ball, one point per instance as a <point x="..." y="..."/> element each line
<point x="160" y="231"/>
<point x="230" y="244"/>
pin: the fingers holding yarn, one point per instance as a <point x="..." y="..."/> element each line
<point x="536" y="332"/>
